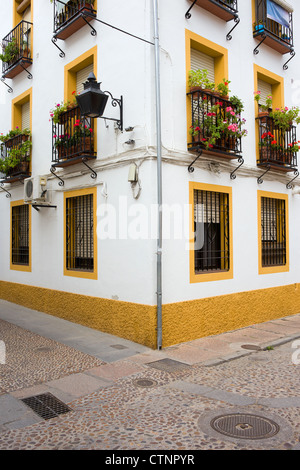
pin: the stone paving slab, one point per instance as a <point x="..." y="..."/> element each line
<point x="15" y="414"/>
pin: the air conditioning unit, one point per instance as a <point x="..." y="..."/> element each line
<point x="35" y="190"/>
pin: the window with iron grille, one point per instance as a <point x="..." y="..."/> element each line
<point x="80" y="233"/>
<point x="211" y="228"/>
<point x="273" y="232"/>
<point x="20" y="235"/>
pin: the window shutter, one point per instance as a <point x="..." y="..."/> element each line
<point x="203" y="61"/>
<point x="265" y="89"/>
<point x="81" y="77"/>
<point x="26" y="115"/>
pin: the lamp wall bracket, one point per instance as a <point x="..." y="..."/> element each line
<point x="116" y="102"/>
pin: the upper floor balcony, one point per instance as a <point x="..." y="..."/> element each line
<point x="16" y="50"/>
<point x="71" y="15"/>
<point x="277" y="147"/>
<point x="273" y="25"/>
<point x="15" y="156"/>
<point x="225" y="9"/>
<point x="216" y="125"/>
<point x="72" y="138"/>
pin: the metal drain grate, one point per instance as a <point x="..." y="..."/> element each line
<point x="168" y="365"/>
<point x="145" y="383"/>
<point x="46" y="405"/>
<point x="245" y="426"/>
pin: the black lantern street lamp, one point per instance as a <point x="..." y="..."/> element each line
<point x="92" y="101"/>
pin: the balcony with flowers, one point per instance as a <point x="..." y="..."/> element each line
<point x="15" y="155"/>
<point x="278" y="145"/>
<point x="72" y="135"/>
<point x="216" y="124"/>
<point x="16" y="50"/>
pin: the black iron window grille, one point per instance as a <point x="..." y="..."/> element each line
<point x="80" y="233"/>
<point x="20" y="235"/>
<point x="72" y="137"/>
<point x="16" y="50"/>
<point x="264" y="26"/>
<point x="277" y="148"/>
<point x="66" y="12"/>
<point x="273" y="232"/>
<point x="216" y="125"/>
<point x="18" y="155"/>
<point x="211" y="228"/>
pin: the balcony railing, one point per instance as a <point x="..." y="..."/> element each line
<point x="10" y="150"/>
<point x="277" y="148"/>
<point x="270" y="32"/>
<point x="72" y="138"/>
<point x="16" y="50"/>
<point x="70" y="16"/>
<point x="225" y="9"/>
<point x="216" y="125"/>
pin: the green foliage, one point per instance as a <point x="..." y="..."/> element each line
<point x="10" y="51"/>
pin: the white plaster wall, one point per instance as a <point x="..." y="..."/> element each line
<point x="127" y="268"/>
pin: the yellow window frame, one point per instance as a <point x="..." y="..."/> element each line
<point x="79" y="273"/>
<point x="15" y="266"/>
<point x="219" y="275"/>
<point x="219" y="53"/>
<point x="280" y="197"/>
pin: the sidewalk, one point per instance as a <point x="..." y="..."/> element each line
<point x="106" y="379"/>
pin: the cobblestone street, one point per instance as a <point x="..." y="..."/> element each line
<point x="139" y="399"/>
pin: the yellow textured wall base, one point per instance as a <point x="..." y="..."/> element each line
<point x="185" y="321"/>
<point x="182" y="321"/>
<point x="135" y="322"/>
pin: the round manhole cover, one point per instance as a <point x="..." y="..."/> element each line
<point x="145" y="383"/>
<point x="245" y="426"/>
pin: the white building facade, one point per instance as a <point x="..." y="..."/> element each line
<point x="84" y="245"/>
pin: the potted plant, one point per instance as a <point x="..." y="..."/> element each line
<point x="237" y="103"/>
<point x="11" y="51"/>
<point x="263" y="109"/>
<point x="58" y="109"/>
<point x="285" y="117"/>
<point x="223" y="89"/>
<point x="198" y="80"/>
<point x="220" y="129"/>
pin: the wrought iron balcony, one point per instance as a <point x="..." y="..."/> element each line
<point x="16" y="50"/>
<point x="277" y="148"/>
<point x="70" y="16"/>
<point x="273" y="34"/>
<point x="18" y="160"/>
<point x="225" y="9"/>
<point x="216" y="125"/>
<point x="72" y="138"/>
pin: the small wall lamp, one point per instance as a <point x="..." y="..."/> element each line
<point x="92" y="101"/>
